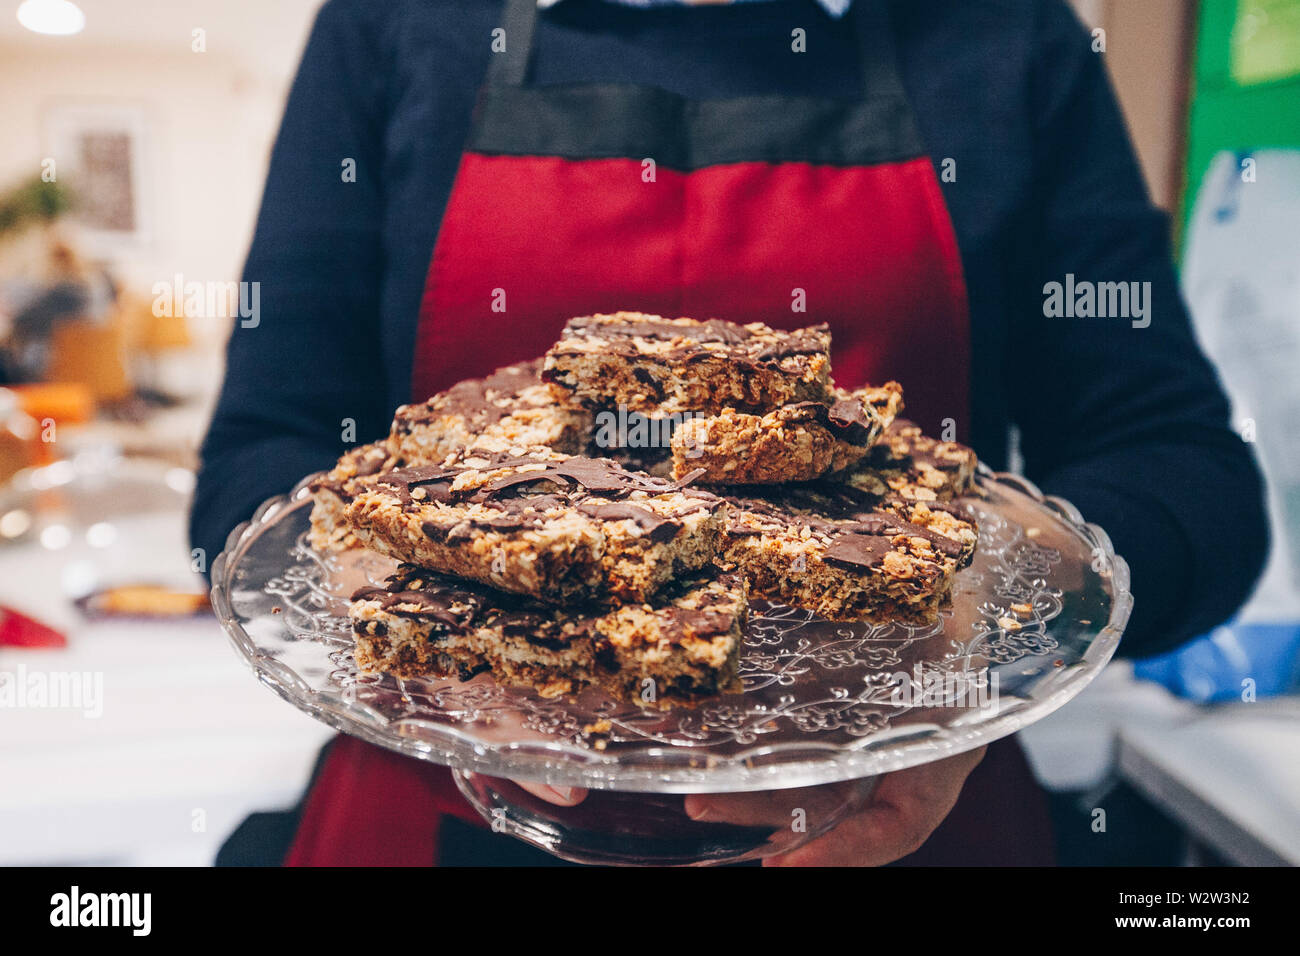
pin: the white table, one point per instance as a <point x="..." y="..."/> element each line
<point x="1231" y="777"/>
<point x="188" y="743"/>
<point x="1229" y="774"/>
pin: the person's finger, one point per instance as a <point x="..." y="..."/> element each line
<point x="775" y="808"/>
<point x="560" y="796"/>
<point x="742" y="809"/>
<point x="906" y="808"/>
<point x="871" y="838"/>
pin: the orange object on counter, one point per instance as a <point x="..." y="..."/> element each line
<point x="143" y="601"/>
<point x="18" y="436"/>
<point x="66" y="402"/>
<point x="60" y="403"/>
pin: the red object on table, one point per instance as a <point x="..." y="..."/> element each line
<point x="19" y="630"/>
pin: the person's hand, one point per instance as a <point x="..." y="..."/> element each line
<point x="560" y="796"/>
<point x="905" y="808"/>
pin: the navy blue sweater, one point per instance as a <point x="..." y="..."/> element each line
<point x="1128" y="423"/>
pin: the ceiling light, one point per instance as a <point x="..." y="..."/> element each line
<point x="55" y="17"/>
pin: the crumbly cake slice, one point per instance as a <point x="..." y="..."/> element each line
<point x="859" y="566"/>
<point x="797" y="442"/>
<point x="683" y="646"/>
<point x="333" y="491"/>
<point x="662" y="366"/>
<point x="510" y="408"/>
<point x="561" y="529"/>
<point x="906" y="463"/>
<point x="939" y="517"/>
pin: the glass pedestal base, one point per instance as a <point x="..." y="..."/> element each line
<point x="617" y="828"/>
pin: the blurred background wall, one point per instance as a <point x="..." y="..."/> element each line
<point x="208" y="116"/>
<point x="200" y="87"/>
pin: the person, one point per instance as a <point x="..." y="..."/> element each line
<point x="70" y="290"/>
<point x="453" y="179"/>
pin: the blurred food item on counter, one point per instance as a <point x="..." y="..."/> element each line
<point x="82" y="350"/>
<point x="151" y="333"/>
<point x="19" y="630"/>
<point x="153" y="343"/>
<point x="143" y="601"/>
<point x="61" y="401"/>
<point x="64" y="319"/>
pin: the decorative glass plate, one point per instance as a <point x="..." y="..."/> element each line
<point x="1034" y="618"/>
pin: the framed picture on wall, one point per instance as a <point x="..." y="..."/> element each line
<point x="100" y="152"/>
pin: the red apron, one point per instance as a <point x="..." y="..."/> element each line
<point x="581" y="198"/>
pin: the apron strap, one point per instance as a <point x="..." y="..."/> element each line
<point x="870" y="20"/>
<point x="877" y="58"/>
<point x="510" y="66"/>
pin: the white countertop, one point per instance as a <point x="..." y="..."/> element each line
<point x="1229" y="774"/>
<point x="188" y="742"/>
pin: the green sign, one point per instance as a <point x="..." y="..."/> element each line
<point x="1265" y="41"/>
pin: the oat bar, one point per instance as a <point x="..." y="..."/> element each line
<point x="561" y="529"/>
<point x="909" y="464"/>
<point x="331" y="494"/>
<point x="665" y="366"/>
<point x="797" y="442"/>
<point x="871" y="566"/>
<point x="686" y="644"/>
<point x="837" y="502"/>
<point x="509" y="411"/>
<point x="511" y="408"/>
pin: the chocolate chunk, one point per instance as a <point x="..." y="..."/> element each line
<point x="656" y="528"/>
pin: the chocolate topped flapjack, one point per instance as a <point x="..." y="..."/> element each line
<point x="683" y="645"/>
<point x="558" y="570"/>
<point x="332" y="492"/>
<point x="660" y="366"/>
<point x="906" y="463"/>
<point x="511" y="409"/>
<point x="828" y="505"/>
<point x="841" y="557"/>
<point x="559" y="528"/>
<point x="796" y="442"/>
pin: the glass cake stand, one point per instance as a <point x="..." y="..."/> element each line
<point x="826" y="708"/>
